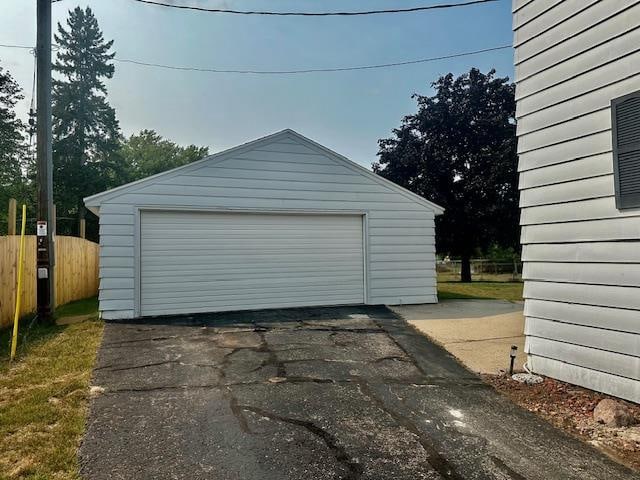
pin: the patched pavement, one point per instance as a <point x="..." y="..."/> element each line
<point x="318" y="393"/>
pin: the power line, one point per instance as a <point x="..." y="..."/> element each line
<point x="316" y="14"/>
<point x="15" y="46"/>
<point x="297" y="71"/>
<point x="310" y="70"/>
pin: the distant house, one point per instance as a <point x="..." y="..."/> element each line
<point x="578" y="109"/>
<point x="277" y="222"/>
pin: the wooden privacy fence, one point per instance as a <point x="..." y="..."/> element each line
<point x="76" y="273"/>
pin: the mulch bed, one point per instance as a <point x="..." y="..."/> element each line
<point x="570" y="408"/>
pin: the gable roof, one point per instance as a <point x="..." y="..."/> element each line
<point x="93" y="202"/>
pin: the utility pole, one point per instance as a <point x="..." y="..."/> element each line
<point x="44" y="231"/>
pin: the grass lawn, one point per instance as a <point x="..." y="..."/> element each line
<point x="43" y="396"/>
<point x="88" y="306"/>
<point x="499" y="290"/>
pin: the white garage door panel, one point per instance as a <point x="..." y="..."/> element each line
<point x="202" y="262"/>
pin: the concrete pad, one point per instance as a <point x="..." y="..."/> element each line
<point x="478" y="332"/>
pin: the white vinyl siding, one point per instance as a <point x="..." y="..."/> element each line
<point x="202" y="262"/>
<point x="282" y="174"/>
<point x="580" y="253"/>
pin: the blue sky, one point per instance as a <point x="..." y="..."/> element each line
<point x="346" y="111"/>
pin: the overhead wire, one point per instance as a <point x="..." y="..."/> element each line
<point x="298" y="71"/>
<point x="5" y="45"/>
<point x="316" y="14"/>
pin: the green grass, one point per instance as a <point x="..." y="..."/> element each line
<point x="43" y="397"/>
<point x="88" y="306"/>
<point x="478" y="277"/>
<point x="480" y="289"/>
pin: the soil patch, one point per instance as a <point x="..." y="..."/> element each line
<point x="570" y="408"/>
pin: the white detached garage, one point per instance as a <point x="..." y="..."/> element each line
<point x="278" y="222"/>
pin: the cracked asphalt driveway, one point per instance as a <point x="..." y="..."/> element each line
<point x="318" y="393"/>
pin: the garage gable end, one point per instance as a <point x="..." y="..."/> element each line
<point x="285" y="166"/>
<point x="278" y="222"/>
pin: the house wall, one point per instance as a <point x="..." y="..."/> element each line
<point x="581" y="255"/>
<point x="284" y="174"/>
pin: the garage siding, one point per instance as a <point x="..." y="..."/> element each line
<point x="581" y="254"/>
<point x="284" y="174"/>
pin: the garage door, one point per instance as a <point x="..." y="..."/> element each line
<point x="204" y="262"/>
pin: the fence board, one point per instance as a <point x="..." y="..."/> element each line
<point x="76" y="274"/>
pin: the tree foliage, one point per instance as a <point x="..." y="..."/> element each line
<point x="12" y="144"/>
<point x="459" y="151"/>
<point x="147" y="153"/>
<point x="86" y="133"/>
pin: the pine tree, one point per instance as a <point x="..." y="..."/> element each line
<point x="86" y="133"/>
<point x="12" y="145"/>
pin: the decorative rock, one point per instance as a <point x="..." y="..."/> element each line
<point x="527" y="378"/>
<point x="95" y="391"/>
<point x="613" y="414"/>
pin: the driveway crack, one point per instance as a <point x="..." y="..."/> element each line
<point x="505" y="468"/>
<point x="238" y="412"/>
<point x="122" y="343"/>
<point x="353" y="467"/>
<point x="393" y="357"/>
<point x="164" y="388"/>
<point x="272" y="358"/>
<point x="434" y="458"/>
<point x="121" y="367"/>
<point x="117" y="368"/>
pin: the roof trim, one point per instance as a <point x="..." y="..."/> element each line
<point x="93" y="202"/>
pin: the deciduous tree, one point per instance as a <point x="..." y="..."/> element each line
<point x="459" y="151"/>
<point x="147" y="153"/>
<point x="12" y="145"/>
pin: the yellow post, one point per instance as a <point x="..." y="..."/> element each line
<point x="14" y="338"/>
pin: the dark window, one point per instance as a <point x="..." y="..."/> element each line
<point x="625" y="117"/>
